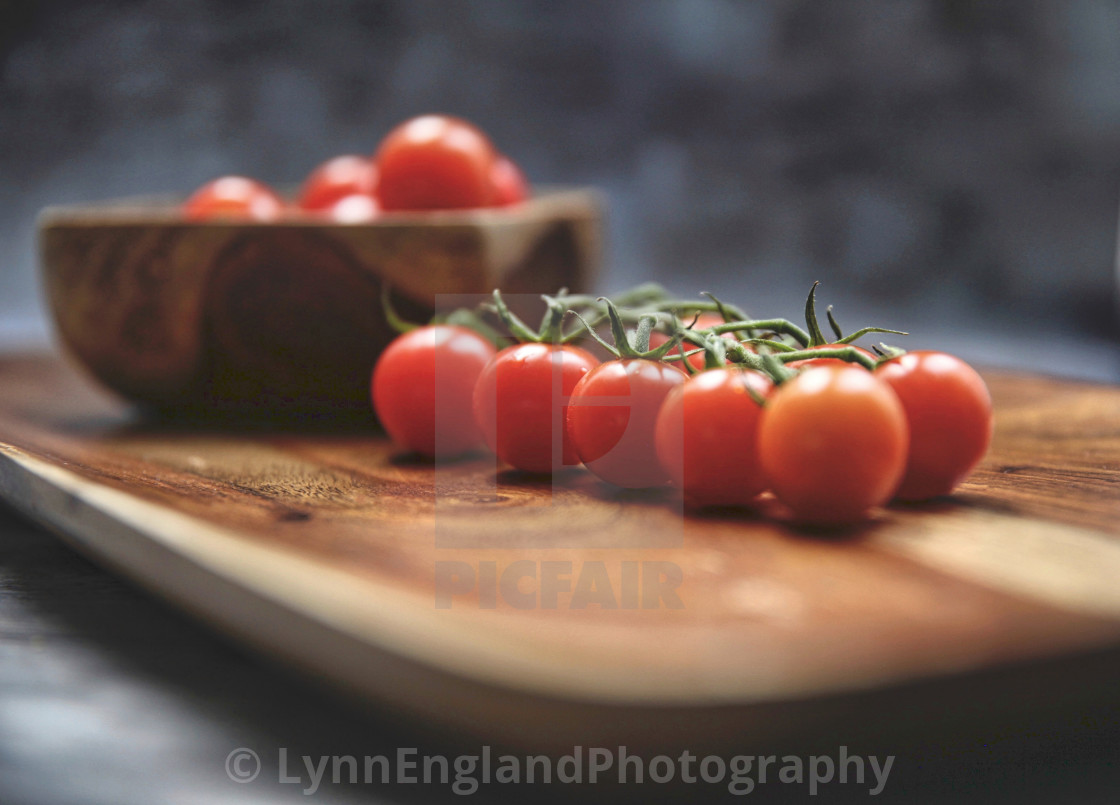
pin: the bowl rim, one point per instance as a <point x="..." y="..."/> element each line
<point x="549" y="202"/>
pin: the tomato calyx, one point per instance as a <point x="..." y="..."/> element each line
<point x="715" y="349"/>
<point x="563" y="304"/>
<point x="460" y="317"/>
<point x="735" y="321"/>
<point x="551" y="329"/>
<point x="719" y="348"/>
<point x="720" y="352"/>
<point x="816" y="337"/>
<point x="682" y="308"/>
<point x="629" y="345"/>
<point x="733" y="340"/>
<point x="633" y="344"/>
<point x="641" y="299"/>
<point x="779" y="359"/>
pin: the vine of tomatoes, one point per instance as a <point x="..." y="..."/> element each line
<point x="696" y="395"/>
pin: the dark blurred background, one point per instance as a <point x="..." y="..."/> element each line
<point x="945" y="166"/>
<point x="951" y="167"/>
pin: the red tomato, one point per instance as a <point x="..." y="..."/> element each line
<point x="520" y="402"/>
<point x="705" y="321"/>
<point x="422" y="388"/>
<point x="707" y="435"/>
<point x="832" y="442"/>
<point x="434" y="162"/>
<point x="355" y="209"/>
<point x="336" y="179"/>
<point x="234" y="197"/>
<point x="611" y="420"/>
<point x="949" y="411"/>
<point x="509" y="182"/>
<point x="826" y="361"/>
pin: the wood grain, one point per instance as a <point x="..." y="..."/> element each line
<point x="287" y="315"/>
<point x="319" y="543"/>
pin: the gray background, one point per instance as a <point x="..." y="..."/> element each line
<point x="944" y="166"/>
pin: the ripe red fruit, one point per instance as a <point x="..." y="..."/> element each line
<point x="833" y="443"/>
<point x="949" y="411"/>
<point x="336" y="179"/>
<point x="236" y="198"/>
<point x="707" y="437"/>
<point x="509" y="182"/>
<point x="612" y="418"/>
<point x="434" y="162"/>
<point x="520" y="402"/>
<point x="422" y="387"/>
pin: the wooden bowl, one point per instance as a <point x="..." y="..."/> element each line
<point x="283" y="316"/>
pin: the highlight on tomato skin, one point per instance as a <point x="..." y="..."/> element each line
<point x="949" y="413"/>
<point x="422" y="387"/>
<point x="353" y="209"/>
<point x="234" y="198"/>
<point x="435" y="162"/>
<point x="833" y="443"/>
<point x="707" y="437"/>
<point x="520" y="403"/>
<point x="336" y="179"/>
<point x="612" y="418"/>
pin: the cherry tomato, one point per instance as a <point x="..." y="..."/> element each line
<point x="826" y="361"/>
<point x="434" y="162"/>
<point x="355" y="209"/>
<point x="611" y="420"/>
<point x="422" y="388"/>
<point x="949" y="411"/>
<point x="705" y="321"/>
<point x="336" y="179"/>
<point x="520" y="402"/>
<point x="707" y="435"/>
<point x="832" y="442"/>
<point x="234" y="197"/>
<point x="509" y="182"/>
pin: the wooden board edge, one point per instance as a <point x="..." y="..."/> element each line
<point x="476" y="710"/>
<point x="249" y="589"/>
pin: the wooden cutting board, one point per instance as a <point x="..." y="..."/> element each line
<point x="481" y="600"/>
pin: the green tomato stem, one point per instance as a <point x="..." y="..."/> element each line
<point x="391" y="316"/>
<point x="833" y="324"/>
<point x="464" y="317"/>
<point x="517" y="328"/>
<point x="860" y="333"/>
<point x="783" y="326"/>
<point x="771" y="344"/>
<point x="849" y="354"/>
<point x="816" y="337"/>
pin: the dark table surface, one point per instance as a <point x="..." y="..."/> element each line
<point x="109" y="696"/>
